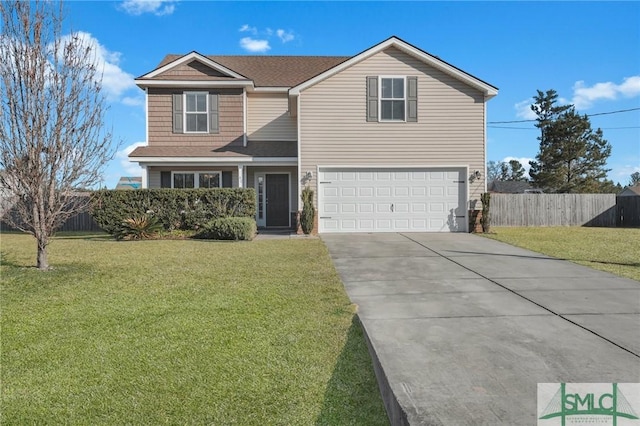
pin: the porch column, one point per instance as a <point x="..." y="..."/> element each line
<point x="240" y="175"/>
<point x="145" y="176"/>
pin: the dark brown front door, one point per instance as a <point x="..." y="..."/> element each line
<point x="277" y="198"/>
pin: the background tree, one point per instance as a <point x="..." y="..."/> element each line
<point x="512" y="171"/>
<point x="52" y="141"/>
<point x="493" y="170"/>
<point x="634" y="179"/>
<point x="572" y="157"/>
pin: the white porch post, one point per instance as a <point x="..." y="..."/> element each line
<point x="240" y="175"/>
<point x="145" y="176"/>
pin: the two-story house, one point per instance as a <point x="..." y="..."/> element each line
<point x="391" y="139"/>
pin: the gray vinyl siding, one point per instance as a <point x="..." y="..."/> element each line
<point x="449" y="130"/>
<point x="231" y="126"/>
<point x="268" y="118"/>
<point x="154" y="173"/>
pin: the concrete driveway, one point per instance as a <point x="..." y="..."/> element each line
<point x="463" y="328"/>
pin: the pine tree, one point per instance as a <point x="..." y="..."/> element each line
<point x="572" y="156"/>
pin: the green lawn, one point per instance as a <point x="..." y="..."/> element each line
<point x="180" y="332"/>
<point x="615" y="250"/>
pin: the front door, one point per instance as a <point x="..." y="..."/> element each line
<point x="277" y="199"/>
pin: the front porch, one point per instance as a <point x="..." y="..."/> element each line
<point x="276" y="186"/>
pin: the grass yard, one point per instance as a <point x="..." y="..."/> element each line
<point x="614" y="250"/>
<point x="180" y="332"/>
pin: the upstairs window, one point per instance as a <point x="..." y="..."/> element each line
<point x="196" y="112"/>
<point x="392" y="99"/>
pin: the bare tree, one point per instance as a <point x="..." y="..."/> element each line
<point x="52" y="141"/>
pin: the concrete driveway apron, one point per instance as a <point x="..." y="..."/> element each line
<point x="463" y="328"/>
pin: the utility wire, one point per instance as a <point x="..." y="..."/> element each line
<point x="588" y="115"/>
<point x="531" y="128"/>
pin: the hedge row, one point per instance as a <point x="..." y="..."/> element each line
<point x="229" y="228"/>
<point x="173" y="208"/>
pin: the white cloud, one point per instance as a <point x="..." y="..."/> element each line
<point x="157" y="7"/>
<point x="246" y="28"/>
<point x="622" y="174"/>
<point x="129" y="168"/>
<point x="253" y="45"/>
<point x="115" y="81"/>
<point x="133" y="100"/>
<point x="523" y="109"/>
<point x="524" y="161"/>
<point x="259" y="40"/>
<point x="285" y="36"/>
<point x="585" y="96"/>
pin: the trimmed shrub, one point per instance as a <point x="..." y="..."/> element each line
<point x="308" y="211"/>
<point x="185" y="209"/>
<point x="229" y="228"/>
<point x="138" y="228"/>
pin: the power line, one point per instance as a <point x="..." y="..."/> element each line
<point x="588" y="115"/>
<point x="613" y="112"/>
<point x="531" y="128"/>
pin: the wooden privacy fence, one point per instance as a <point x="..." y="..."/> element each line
<point x="554" y="210"/>
<point x="81" y="221"/>
<point x="628" y="211"/>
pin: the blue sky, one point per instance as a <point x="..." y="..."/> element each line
<point x="589" y="52"/>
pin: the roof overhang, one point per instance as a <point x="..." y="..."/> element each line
<point x="193" y="56"/>
<point x="144" y="83"/>
<point x="488" y="90"/>
<point x="208" y="161"/>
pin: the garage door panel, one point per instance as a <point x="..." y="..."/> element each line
<point x="331" y="208"/>
<point x="401" y="191"/>
<point x="383" y="191"/>
<point x="436" y="191"/>
<point x="366" y="191"/>
<point x="365" y="208"/>
<point x="348" y="208"/>
<point x="401" y="208"/>
<point x="418" y="207"/>
<point x="348" y="191"/>
<point x="387" y="200"/>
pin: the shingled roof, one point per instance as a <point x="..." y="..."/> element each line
<point x="253" y="149"/>
<point x="272" y="71"/>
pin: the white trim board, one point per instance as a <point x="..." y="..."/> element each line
<point x="193" y="56"/>
<point x="488" y="90"/>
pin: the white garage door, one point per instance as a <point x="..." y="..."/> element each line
<point x="392" y="200"/>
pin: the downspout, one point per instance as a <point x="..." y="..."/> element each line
<point x="298" y="179"/>
<point x="145" y="169"/>
<point x="244" y="116"/>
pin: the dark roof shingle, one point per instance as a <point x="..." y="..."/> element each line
<point x="272" y="71"/>
<point x="253" y="149"/>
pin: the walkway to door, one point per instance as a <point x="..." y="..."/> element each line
<point x="462" y="328"/>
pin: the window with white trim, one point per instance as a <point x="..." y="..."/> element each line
<point x="196" y="112"/>
<point x="196" y="179"/>
<point x="392" y="99"/>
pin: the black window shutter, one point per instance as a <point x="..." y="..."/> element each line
<point x="178" y="112"/>
<point x="165" y="179"/>
<point x="227" y="179"/>
<point x="214" y="116"/>
<point x="412" y="99"/>
<point x="372" y="98"/>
